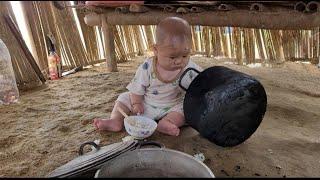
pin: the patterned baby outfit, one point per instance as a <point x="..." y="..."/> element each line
<point x="160" y="98"/>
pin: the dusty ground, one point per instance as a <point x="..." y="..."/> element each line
<point x="45" y="129"/>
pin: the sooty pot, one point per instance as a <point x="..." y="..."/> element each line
<point x="223" y="105"/>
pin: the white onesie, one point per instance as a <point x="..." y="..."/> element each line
<point x="160" y="98"/>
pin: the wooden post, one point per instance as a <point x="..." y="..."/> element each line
<point x="109" y="47"/>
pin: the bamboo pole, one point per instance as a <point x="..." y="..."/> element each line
<point x="257" y="33"/>
<point x="221" y="38"/>
<point x="129" y="41"/>
<point x="238" y="45"/>
<point x="202" y="39"/>
<point x="28" y="24"/>
<point x="197" y="38"/>
<point x="138" y="37"/>
<point x="125" y="41"/>
<point x="277" y="43"/>
<point x="246" y="42"/>
<point x="32" y="14"/>
<point x="26" y="76"/>
<point x="251" y="46"/>
<point x="316" y="45"/>
<point x="119" y="46"/>
<point x="216" y="42"/>
<point x="206" y="39"/>
<point x="193" y="34"/>
<point x="89" y="38"/>
<point x="134" y="40"/>
<point x="213" y="41"/>
<point x="31" y="60"/>
<point x="150" y="40"/>
<point x="230" y="43"/>
<point x="269" y="46"/>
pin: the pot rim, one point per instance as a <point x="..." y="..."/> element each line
<point x="166" y="150"/>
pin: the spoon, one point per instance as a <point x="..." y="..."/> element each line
<point x="129" y="119"/>
<point x="122" y="112"/>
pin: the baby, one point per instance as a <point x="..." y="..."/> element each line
<point x="154" y="91"/>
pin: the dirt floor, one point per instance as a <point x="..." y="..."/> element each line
<point x="45" y="129"/>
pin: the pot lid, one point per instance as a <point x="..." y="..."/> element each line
<point x="92" y="159"/>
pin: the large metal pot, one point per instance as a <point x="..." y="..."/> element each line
<point x="223" y="105"/>
<point x="151" y="162"/>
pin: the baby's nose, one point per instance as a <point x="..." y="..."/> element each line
<point x="178" y="61"/>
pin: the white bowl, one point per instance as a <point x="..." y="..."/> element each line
<point x="140" y="127"/>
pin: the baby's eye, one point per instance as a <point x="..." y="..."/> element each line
<point x="172" y="57"/>
<point x="184" y="56"/>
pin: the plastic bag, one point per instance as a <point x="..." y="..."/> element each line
<point x="9" y="92"/>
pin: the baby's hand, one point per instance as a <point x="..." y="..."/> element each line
<point x="137" y="108"/>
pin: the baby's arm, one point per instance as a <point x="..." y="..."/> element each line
<point x="137" y="103"/>
<point x="137" y="87"/>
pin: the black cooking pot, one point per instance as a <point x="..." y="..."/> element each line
<point x="223" y="105"/>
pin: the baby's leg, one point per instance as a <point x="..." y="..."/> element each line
<point x="170" y="123"/>
<point x="115" y="122"/>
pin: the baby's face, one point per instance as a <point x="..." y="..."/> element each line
<point x="173" y="55"/>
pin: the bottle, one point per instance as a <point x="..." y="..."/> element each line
<point x="53" y="61"/>
<point x="9" y="92"/>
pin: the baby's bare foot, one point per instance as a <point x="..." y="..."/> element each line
<point x="167" y="127"/>
<point x="107" y="124"/>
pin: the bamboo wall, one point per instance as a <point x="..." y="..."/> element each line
<point x="243" y="45"/>
<point x="26" y="77"/>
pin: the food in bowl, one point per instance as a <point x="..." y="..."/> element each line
<point x="139" y="127"/>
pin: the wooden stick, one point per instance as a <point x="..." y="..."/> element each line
<point x="122" y="112"/>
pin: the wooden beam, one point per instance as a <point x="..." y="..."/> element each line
<point x="284" y="19"/>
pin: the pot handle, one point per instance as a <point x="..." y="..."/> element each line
<point x="145" y="143"/>
<point x="183" y="74"/>
<point x="88" y="143"/>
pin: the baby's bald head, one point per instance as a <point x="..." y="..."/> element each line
<point x="171" y="30"/>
